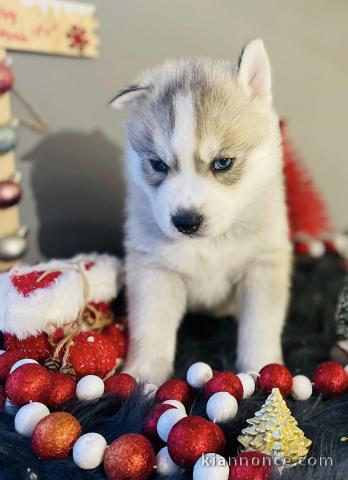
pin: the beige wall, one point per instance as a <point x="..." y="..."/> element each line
<point x="307" y="42"/>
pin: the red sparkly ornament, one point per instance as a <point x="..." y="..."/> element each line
<point x="28" y="383"/>
<point x="55" y="435"/>
<point x="191" y="437"/>
<point x="62" y="389"/>
<point x="151" y="420"/>
<point x="36" y="347"/>
<point x="275" y="375"/>
<point x="92" y="354"/>
<point x="224" y="382"/>
<point x="7" y="359"/>
<point x="121" y="385"/>
<point x="2" y="397"/>
<point x="251" y="466"/>
<point x="130" y="457"/>
<point x="6" y="79"/>
<point x="330" y="379"/>
<point x="117" y="337"/>
<point x="175" y="389"/>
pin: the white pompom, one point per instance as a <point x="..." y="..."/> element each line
<point x="89" y="387"/>
<point x="180" y="406"/>
<point x="165" y="465"/>
<point x="248" y="383"/>
<point x="302" y="388"/>
<point x="222" y="407"/>
<point x="29" y="416"/>
<point x="211" y="466"/>
<point x="19" y="363"/>
<point x="199" y="374"/>
<point x="10" y="408"/>
<point x="89" y="450"/>
<point x="167" y="421"/>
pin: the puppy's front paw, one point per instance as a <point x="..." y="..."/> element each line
<point x="254" y="363"/>
<point x="148" y="371"/>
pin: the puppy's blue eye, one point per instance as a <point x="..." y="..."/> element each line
<point x="159" y="166"/>
<point x="222" y="164"/>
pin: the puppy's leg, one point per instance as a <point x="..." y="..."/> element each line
<point x="156" y="304"/>
<point x="263" y="300"/>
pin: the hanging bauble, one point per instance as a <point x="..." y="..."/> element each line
<point x="8" y="139"/>
<point x="6" y="78"/>
<point x="89" y="450"/>
<point x="10" y="193"/>
<point x="13" y="246"/>
<point x="55" y="435"/>
<point x="129" y="457"/>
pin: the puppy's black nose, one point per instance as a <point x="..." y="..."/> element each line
<point x="187" y="221"/>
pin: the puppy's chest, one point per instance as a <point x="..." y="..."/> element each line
<point x="209" y="272"/>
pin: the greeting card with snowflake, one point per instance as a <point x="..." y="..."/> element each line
<point x="49" y="26"/>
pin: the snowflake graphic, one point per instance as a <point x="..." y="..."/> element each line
<point x="77" y="37"/>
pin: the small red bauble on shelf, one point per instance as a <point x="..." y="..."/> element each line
<point x="117" y="337"/>
<point x="130" y="457"/>
<point x="8" y="359"/>
<point x="251" y="466"/>
<point x="36" y="347"/>
<point x="6" y="78"/>
<point x="120" y="385"/>
<point x="224" y="382"/>
<point x="55" y="435"/>
<point x="28" y="383"/>
<point x="2" y="397"/>
<point x="275" y="375"/>
<point x="63" y="388"/>
<point x="175" y="389"/>
<point x="330" y="379"/>
<point x="191" y="437"/>
<point x="92" y="354"/>
<point x="151" y="420"/>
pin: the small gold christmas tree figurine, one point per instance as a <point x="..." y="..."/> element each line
<point x="274" y="431"/>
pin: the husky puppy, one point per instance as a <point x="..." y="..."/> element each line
<point x="206" y="214"/>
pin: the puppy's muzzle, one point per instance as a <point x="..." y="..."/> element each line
<point x="187" y="222"/>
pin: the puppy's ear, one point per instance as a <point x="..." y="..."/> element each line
<point x="254" y="71"/>
<point x="128" y="95"/>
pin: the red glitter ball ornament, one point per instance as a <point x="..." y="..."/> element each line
<point x="151" y="420"/>
<point x="275" y="375"/>
<point x="2" y="397"/>
<point x="120" y="385"/>
<point x="28" y="383"/>
<point x="175" y="389"/>
<point x="251" y="466"/>
<point x="6" y="78"/>
<point x="330" y="379"/>
<point x="62" y="389"/>
<point x="224" y="382"/>
<point x="92" y="354"/>
<point x="7" y="359"/>
<point x="55" y="435"/>
<point x="36" y="347"/>
<point x="130" y="457"/>
<point x="191" y="437"/>
<point x="117" y="337"/>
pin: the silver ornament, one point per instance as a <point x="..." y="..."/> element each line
<point x="8" y="139"/>
<point x="13" y="246"/>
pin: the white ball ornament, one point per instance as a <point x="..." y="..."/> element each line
<point x="28" y="417"/>
<point x="248" y="383"/>
<point x="222" y="407"/>
<point x="199" y="374"/>
<point x="89" y="387"/>
<point x="302" y="388"/>
<point x="164" y="464"/>
<point x="211" y="466"/>
<point x="175" y="403"/>
<point x="89" y="450"/>
<point x="167" y="421"/>
<point x="19" y="363"/>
